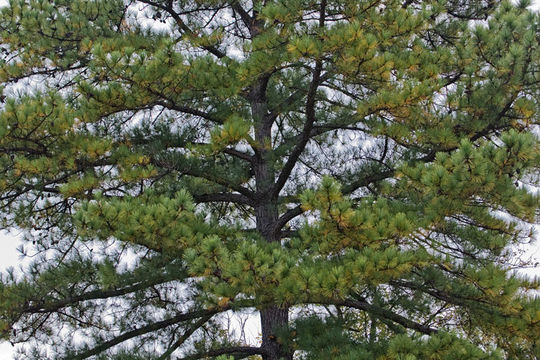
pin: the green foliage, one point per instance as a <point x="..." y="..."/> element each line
<point x="359" y="173"/>
<point x="327" y="340"/>
<point x="442" y="346"/>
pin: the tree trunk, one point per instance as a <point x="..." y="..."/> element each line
<point x="273" y="318"/>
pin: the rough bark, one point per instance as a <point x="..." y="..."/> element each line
<point x="273" y="318"/>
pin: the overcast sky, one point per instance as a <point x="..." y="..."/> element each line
<point x="10" y="241"/>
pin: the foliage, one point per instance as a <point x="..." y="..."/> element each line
<point x="359" y="173"/>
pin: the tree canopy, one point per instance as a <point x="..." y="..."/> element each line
<point x="358" y="174"/>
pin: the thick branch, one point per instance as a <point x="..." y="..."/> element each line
<point x="239" y="154"/>
<point x="246" y="18"/>
<point x="304" y="136"/>
<point x="310" y="118"/>
<point x="288" y="216"/>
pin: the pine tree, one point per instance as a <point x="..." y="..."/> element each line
<point x="356" y="173"/>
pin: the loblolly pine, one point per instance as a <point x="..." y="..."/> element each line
<point x="355" y="174"/>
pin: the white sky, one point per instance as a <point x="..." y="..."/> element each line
<point x="10" y="241"/>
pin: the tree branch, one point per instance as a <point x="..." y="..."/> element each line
<point x="91" y="295"/>
<point x="294" y="96"/>
<point x="246" y="18"/>
<point x="366" y="180"/>
<point x="234" y="152"/>
<point x="141" y="331"/>
<point x="288" y="216"/>
<point x="242" y="190"/>
<point x="200" y="173"/>
<point x="454" y="299"/>
<point x="347" y="189"/>
<point x="365" y="306"/>
<point x="310" y="119"/>
<point x="211" y="49"/>
<point x="187" y="110"/>
<point x="239" y="154"/>
<point x="184" y="337"/>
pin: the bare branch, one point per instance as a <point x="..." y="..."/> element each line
<point x="141" y="331"/>
<point x="211" y="49"/>
<point x="184" y="337"/>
